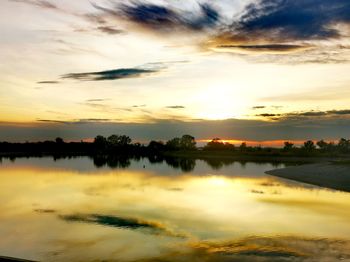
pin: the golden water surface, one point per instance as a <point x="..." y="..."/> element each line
<point x="72" y="211"/>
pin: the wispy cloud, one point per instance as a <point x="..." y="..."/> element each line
<point x="164" y="18"/>
<point x="270" y="48"/>
<point x="121" y="223"/>
<point x="175" y="107"/>
<point x="38" y="3"/>
<point x="293" y="20"/>
<point x="122" y="73"/>
<point x="305" y="115"/>
<point x="48" y="82"/>
<point x="258" y="107"/>
<point x="97" y="100"/>
<point x="114" y="74"/>
<point x="53" y="121"/>
<point x="110" y="30"/>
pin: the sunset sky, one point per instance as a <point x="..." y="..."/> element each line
<point x="236" y="69"/>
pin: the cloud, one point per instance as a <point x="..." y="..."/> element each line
<point x="122" y="73"/>
<point x="53" y="121"/>
<point x="121" y="223"/>
<point x="110" y="30"/>
<point x="45" y="211"/>
<point x="258" y="107"/>
<point x="39" y="3"/>
<point x="306" y="114"/>
<point x="164" y="17"/>
<point x="273" y="48"/>
<point x="97" y="100"/>
<point x="175" y="107"/>
<point x="340" y="112"/>
<point x="279" y="248"/>
<point x="293" y="19"/>
<point x="48" y="82"/>
<point x="114" y="74"/>
<point x="268" y="115"/>
<point x="94" y="120"/>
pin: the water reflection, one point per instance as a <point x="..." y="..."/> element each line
<point x="70" y="210"/>
<point x="184" y="164"/>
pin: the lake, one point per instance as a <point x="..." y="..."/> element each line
<point x="84" y="209"/>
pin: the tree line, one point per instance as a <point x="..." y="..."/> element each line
<point x="123" y="144"/>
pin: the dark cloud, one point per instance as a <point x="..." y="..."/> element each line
<point x="175" y="107"/>
<point x="267" y="47"/>
<point x="97" y="100"/>
<point x="293" y="19"/>
<point x="340" y="112"/>
<point x="120" y="222"/>
<point x="268" y="115"/>
<point x="53" y="121"/>
<point x="112" y="221"/>
<point x="94" y="120"/>
<point x="115" y="74"/>
<point x="306" y="114"/>
<point x="48" y="82"/>
<point x="45" y="211"/>
<point x="258" y="107"/>
<point x="164" y="17"/>
<point x="311" y="113"/>
<point x="39" y="3"/>
<point x="110" y="30"/>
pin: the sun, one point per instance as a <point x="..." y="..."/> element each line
<point x="219" y="103"/>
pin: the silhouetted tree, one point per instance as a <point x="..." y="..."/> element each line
<point x="309" y="146"/>
<point x="218" y="144"/>
<point x="323" y="146"/>
<point x="156" y="146"/>
<point x="59" y="140"/>
<point x="174" y="144"/>
<point x="100" y="142"/>
<point x="243" y="147"/>
<point x="344" y="145"/>
<point x="187" y="142"/>
<point x="288" y="146"/>
<point x="118" y="141"/>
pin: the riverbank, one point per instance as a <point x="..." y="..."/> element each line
<point x="333" y="175"/>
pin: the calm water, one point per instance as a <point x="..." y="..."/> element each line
<point x="81" y="209"/>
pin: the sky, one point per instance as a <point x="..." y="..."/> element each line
<point x="245" y="70"/>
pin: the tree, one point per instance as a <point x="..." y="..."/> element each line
<point x="214" y="144"/>
<point x="187" y="142"/>
<point x="118" y="141"/>
<point x="100" y="142"/>
<point x="309" y="146"/>
<point x="156" y="146"/>
<point x="344" y="145"/>
<point x="243" y="147"/>
<point x="218" y="144"/>
<point x="59" y="140"/>
<point x="323" y="146"/>
<point x="288" y="146"/>
<point x="173" y="144"/>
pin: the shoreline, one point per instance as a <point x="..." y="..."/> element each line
<point x="332" y="175"/>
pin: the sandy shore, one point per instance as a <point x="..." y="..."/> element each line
<point x="330" y="175"/>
